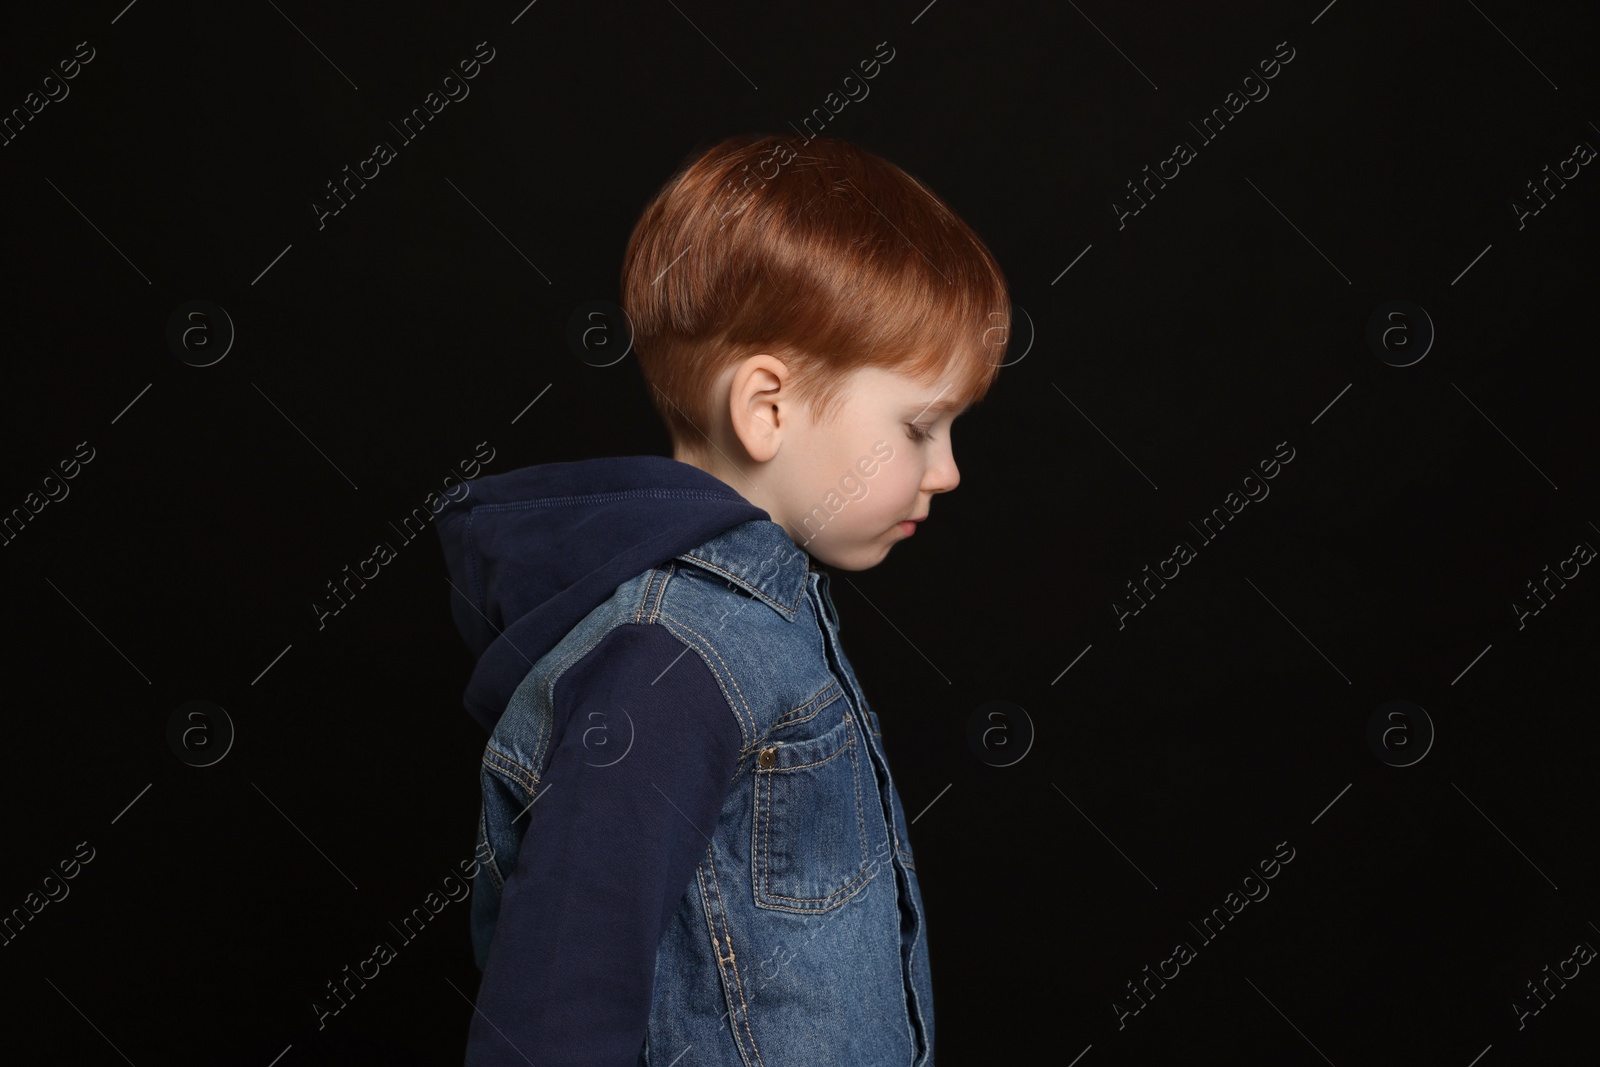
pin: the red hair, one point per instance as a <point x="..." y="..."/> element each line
<point x="828" y="257"/>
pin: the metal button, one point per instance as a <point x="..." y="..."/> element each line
<point x="767" y="757"/>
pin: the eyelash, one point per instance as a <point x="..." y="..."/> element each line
<point x="917" y="433"/>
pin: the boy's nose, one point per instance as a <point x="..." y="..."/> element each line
<point x="943" y="476"/>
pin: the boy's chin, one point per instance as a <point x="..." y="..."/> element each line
<point x="858" y="557"/>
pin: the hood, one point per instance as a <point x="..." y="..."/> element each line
<point x="531" y="551"/>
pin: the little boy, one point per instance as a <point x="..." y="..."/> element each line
<point x="698" y="856"/>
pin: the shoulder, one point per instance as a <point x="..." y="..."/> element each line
<point x="642" y="675"/>
<point x="636" y="658"/>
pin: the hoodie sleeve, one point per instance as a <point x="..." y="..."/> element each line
<point x="647" y="747"/>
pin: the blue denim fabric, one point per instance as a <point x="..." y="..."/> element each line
<point x="801" y="937"/>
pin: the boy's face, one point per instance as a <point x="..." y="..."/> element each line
<point x="845" y="490"/>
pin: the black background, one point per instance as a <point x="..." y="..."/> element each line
<point x="1145" y="383"/>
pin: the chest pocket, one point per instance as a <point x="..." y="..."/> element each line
<point x="810" y="846"/>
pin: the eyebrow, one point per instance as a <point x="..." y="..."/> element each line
<point x="938" y="405"/>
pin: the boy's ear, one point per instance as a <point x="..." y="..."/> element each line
<point x="761" y="403"/>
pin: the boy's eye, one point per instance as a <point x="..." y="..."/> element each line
<point x="917" y="433"/>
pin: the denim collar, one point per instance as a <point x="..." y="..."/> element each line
<point x="760" y="557"/>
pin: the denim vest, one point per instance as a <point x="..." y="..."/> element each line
<point x="801" y="938"/>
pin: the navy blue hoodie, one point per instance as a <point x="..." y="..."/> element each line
<point x="530" y="552"/>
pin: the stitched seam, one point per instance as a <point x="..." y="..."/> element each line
<point x="708" y="565"/>
<point x="501" y="764"/>
<point x="861" y="819"/>
<point x="819" y="904"/>
<point x="548" y="688"/>
<point x="835" y="754"/>
<point x="733" y="959"/>
<point x="643" y="611"/>
<point x="660" y="590"/>
<point x="746" y="730"/>
<point x="711" y="928"/>
<point x="492" y="753"/>
<point x="638" y="609"/>
<point x="766" y="841"/>
<point x="560" y="668"/>
<point x="766" y="834"/>
<point x="835" y="694"/>
<point x="861" y="874"/>
<point x="521" y="772"/>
